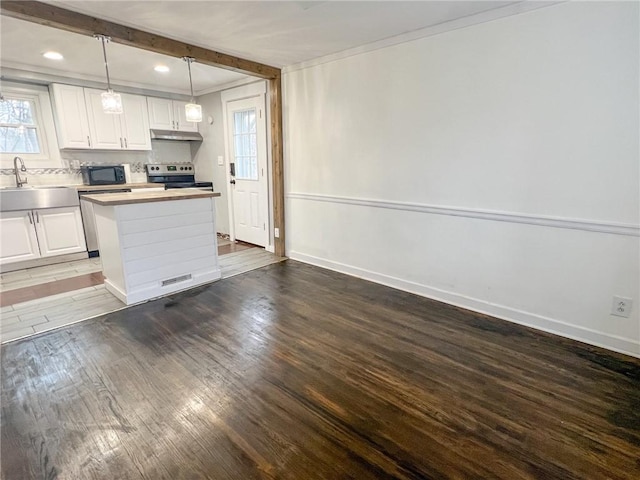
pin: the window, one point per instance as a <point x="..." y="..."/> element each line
<point x="26" y="126"/>
<point x="18" y="126"/>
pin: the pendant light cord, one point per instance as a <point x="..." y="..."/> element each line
<point x="189" y="60"/>
<point x="105" y="39"/>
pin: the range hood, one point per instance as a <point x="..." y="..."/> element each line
<point x="173" y="135"/>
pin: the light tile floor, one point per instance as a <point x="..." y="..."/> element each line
<point x="36" y="316"/>
<point x="48" y="273"/>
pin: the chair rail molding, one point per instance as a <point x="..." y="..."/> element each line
<point x="498" y="216"/>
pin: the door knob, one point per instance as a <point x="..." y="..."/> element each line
<point x="232" y="182"/>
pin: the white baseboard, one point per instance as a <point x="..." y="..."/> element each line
<point x="539" y="322"/>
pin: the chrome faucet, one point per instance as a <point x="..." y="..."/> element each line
<point x="19" y="181"/>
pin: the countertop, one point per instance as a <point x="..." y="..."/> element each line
<point x="127" y="198"/>
<point x="89" y="188"/>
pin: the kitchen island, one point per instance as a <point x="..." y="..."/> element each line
<point x="156" y="243"/>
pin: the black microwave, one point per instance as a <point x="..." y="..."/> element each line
<point x="103" y="175"/>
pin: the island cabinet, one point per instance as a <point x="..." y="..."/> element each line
<point x="156" y="243"/>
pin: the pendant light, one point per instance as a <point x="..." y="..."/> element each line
<point x="111" y="101"/>
<point x="193" y="111"/>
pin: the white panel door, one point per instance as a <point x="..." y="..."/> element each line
<point x="104" y="127"/>
<point x="180" y="114"/>
<point x="72" y="123"/>
<point x="18" y="241"/>
<point x="248" y="153"/>
<point x="59" y="231"/>
<point x="160" y="113"/>
<point x="135" y="123"/>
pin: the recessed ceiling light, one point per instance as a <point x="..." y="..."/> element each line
<point x="161" y="68"/>
<point x="53" y="55"/>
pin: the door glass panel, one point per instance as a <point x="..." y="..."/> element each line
<point x="245" y="143"/>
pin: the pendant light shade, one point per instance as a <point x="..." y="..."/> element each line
<point x="193" y="111"/>
<point x="111" y="101"/>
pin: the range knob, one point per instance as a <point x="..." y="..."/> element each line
<point x="181" y="168"/>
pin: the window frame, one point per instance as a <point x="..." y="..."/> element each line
<point x="49" y="155"/>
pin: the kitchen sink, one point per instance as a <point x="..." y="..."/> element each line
<point x="23" y="198"/>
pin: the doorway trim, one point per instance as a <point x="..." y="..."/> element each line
<point x="256" y="89"/>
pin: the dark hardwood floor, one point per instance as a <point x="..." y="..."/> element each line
<point x="294" y="372"/>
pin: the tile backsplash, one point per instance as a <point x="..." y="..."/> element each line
<point x="69" y="172"/>
<point x="61" y="176"/>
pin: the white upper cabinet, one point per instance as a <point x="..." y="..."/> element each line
<point x="81" y="122"/>
<point x="180" y="115"/>
<point x="104" y="127"/>
<point x="167" y="114"/>
<point x="72" y="123"/>
<point x="135" y="122"/>
<point x="160" y="113"/>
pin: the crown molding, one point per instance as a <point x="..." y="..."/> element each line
<point x="475" y="19"/>
<point x="226" y="86"/>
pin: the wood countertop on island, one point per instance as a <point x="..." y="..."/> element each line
<point x="114" y="199"/>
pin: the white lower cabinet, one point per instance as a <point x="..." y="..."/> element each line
<point x="31" y="234"/>
<point x="59" y="231"/>
<point x="18" y="241"/>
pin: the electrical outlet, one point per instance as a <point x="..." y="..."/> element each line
<point x="621" y="306"/>
<point x="276" y="232"/>
<point x="220" y="160"/>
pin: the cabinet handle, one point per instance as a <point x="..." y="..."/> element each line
<point x="173" y="123"/>
<point x="121" y="142"/>
<point x="29" y="215"/>
<point x="125" y="143"/>
<point x="37" y="218"/>
<point x="88" y="140"/>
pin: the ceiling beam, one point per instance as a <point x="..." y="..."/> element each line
<point x="52" y="16"/>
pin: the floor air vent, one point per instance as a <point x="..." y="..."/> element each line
<point x="171" y="281"/>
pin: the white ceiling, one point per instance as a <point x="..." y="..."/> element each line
<point x="277" y="33"/>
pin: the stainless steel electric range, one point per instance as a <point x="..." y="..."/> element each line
<point x="178" y="175"/>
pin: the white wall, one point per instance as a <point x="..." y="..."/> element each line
<point x="206" y="154"/>
<point x="495" y="167"/>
